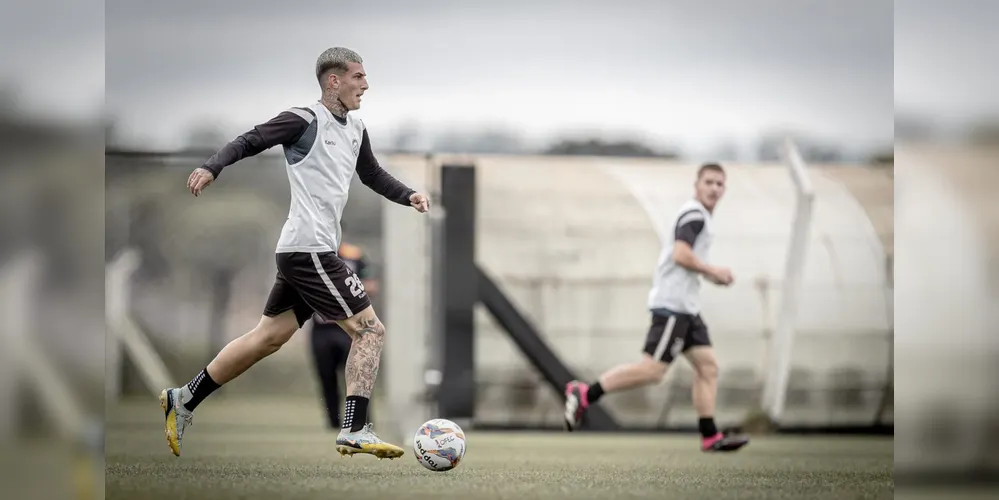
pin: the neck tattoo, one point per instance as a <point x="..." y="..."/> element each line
<point x="332" y="103"/>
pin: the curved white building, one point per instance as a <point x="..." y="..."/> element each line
<point x="573" y="242"/>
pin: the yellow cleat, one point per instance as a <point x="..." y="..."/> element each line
<point x="177" y="418"/>
<point x="365" y="441"/>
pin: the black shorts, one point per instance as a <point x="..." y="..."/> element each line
<point x="318" y="283"/>
<point x="671" y="334"/>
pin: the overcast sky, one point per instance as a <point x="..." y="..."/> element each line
<point x="688" y="71"/>
<point x="691" y="72"/>
<point x="52" y="55"/>
<point x="945" y="59"/>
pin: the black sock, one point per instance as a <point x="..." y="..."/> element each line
<point x="197" y="390"/>
<point x="594" y="393"/>
<point x="355" y="413"/>
<point x="707" y="426"/>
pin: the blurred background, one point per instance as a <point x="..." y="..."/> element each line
<point x="530" y="110"/>
<point x="51" y="249"/>
<point x="557" y="106"/>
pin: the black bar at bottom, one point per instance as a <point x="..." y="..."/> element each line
<point x="534" y="347"/>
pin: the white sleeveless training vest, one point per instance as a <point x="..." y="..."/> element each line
<point x="320" y="167"/>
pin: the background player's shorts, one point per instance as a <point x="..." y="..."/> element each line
<point x="672" y="333"/>
<point x="315" y="282"/>
<point x="331" y="335"/>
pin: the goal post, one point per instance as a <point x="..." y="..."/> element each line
<point x="782" y="340"/>
<point x="16" y="277"/>
<point x="125" y="337"/>
<point x="433" y="284"/>
<point x="24" y="360"/>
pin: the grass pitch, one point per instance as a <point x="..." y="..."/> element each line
<point x="234" y="453"/>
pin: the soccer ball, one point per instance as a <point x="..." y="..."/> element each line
<point x="439" y="445"/>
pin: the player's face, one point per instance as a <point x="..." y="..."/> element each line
<point x="352" y="85"/>
<point x="710" y="187"/>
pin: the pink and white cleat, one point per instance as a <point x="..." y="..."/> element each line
<point x="723" y="442"/>
<point x="576" y="404"/>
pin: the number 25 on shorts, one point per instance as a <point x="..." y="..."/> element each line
<point x="355" y="285"/>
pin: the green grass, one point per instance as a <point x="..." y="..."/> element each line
<point x="225" y="459"/>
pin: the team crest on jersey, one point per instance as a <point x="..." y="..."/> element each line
<point x="354" y="146"/>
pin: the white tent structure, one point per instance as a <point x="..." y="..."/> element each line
<point x="573" y="242"/>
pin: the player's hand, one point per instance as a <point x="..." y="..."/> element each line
<point x="721" y="276"/>
<point x="199" y="180"/>
<point x="420" y="202"/>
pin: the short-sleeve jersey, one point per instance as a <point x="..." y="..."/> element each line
<point x="674" y="287"/>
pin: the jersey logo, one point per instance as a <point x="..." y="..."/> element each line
<point x="354" y="146"/>
<point x="330" y="142"/>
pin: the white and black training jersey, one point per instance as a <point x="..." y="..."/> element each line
<point x="674" y="287"/>
<point x="322" y="151"/>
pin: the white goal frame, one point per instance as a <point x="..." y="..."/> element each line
<point x="782" y="340"/>
<point x="124" y="335"/>
<point x="22" y="359"/>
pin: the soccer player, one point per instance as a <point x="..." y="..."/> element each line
<point x="323" y="146"/>
<point x="677" y="327"/>
<point x="330" y="344"/>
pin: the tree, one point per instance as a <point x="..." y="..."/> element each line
<point x="112" y="133"/>
<point x="911" y="127"/>
<point x="599" y="147"/>
<point x="984" y="133"/>
<point x="487" y="141"/>
<point x="205" y="136"/>
<point x="812" y="150"/>
<point x="405" y="137"/>
<point x="885" y="157"/>
<point x="726" y="150"/>
<point x="8" y="100"/>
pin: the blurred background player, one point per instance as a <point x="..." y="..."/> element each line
<point x="324" y="147"/>
<point x="677" y="327"/>
<point x="331" y="344"/>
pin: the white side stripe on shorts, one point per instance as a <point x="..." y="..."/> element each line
<point x="329" y="284"/>
<point x="664" y="340"/>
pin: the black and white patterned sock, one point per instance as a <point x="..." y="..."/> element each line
<point x="355" y="413"/>
<point x="192" y="394"/>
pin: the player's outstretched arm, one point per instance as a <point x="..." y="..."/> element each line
<point x="285" y="128"/>
<point x="382" y="182"/>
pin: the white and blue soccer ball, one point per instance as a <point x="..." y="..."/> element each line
<point x="439" y="445"/>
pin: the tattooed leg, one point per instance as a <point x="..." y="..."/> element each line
<point x="368" y="336"/>
<point x="357" y="435"/>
